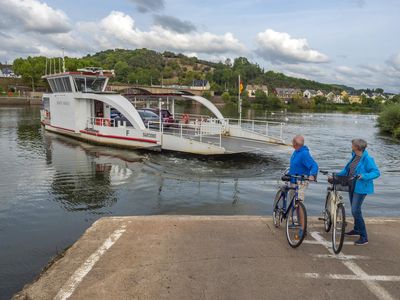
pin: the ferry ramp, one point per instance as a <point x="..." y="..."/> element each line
<point x="219" y="257"/>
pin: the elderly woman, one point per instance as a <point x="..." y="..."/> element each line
<point x="363" y="170"/>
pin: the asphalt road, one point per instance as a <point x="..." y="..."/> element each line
<point x="218" y="257"/>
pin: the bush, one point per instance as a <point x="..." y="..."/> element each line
<point x="389" y="119"/>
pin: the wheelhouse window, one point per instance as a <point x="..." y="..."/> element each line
<point x="60" y="85"/>
<point x="89" y="84"/>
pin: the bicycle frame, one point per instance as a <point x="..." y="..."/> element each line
<point x="334" y="199"/>
<point x="292" y="203"/>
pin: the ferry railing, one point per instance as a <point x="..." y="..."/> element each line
<point x="268" y="128"/>
<point x="194" y="130"/>
<point x="104" y="122"/>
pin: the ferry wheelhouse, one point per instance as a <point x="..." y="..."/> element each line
<point x="79" y="106"/>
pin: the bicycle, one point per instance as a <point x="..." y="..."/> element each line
<point x="295" y="213"/>
<point x="334" y="213"/>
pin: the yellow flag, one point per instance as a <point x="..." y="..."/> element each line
<point x="241" y="86"/>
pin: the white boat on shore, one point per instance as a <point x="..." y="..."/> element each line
<point x="80" y="107"/>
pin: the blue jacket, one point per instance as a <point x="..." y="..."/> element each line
<point x="368" y="171"/>
<point x="301" y="163"/>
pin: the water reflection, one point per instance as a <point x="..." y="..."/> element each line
<point x="85" y="175"/>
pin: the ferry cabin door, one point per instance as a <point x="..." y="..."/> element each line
<point x="98" y="109"/>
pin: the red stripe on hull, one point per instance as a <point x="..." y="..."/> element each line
<point x="119" y="137"/>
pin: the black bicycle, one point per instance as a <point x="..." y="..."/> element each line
<point x="295" y="213"/>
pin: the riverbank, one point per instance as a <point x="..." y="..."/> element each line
<point x="17" y="101"/>
<point x="219" y="257"/>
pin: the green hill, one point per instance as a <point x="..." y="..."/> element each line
<point x="147" y="67"/>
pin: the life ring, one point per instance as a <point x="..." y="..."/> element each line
<point x="107" y="122"/>
<point x="185" y="119"/>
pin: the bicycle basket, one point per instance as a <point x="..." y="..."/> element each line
<point x="340" y="180"/>
<point x="342" y="183"/>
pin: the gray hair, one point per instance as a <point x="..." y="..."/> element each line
<point x="360" y="144"/>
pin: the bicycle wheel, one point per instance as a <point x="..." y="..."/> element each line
<point x="338" y="229"/>
<point x="296" y="224"/>
<point x="278" y="208"/>
<point x="327" y="213"/>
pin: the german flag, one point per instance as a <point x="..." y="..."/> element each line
<point x="241" y="87"/>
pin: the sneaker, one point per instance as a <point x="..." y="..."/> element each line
<point x="361" y="242"/>
<point x="352" y="233"/>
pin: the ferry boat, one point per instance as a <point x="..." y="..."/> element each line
<point x="81" y="107"/>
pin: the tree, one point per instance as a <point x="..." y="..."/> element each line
<point x="260" y="98"/>
<point x="320" y="100"/>
<point x="121" y="71"/>
<point x="226" y="97"/>
<point x="31" y="69"/>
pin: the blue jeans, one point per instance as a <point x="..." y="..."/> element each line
<point x="356" y="200"/>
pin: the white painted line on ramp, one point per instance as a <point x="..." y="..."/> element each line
<point x="324" y="243"/>
<point x="352" y="277"/>
<point x="69" y="287"/>
<point x="343" y="257"/>
<point x="372" y="285"/>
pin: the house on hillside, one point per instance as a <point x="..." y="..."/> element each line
<point x="320" y="93"/>
<point x="334" y="98"/>
<point x="309" y="94"/>
<point x="200" y="84"/>
<point x="252" y="88"/>
<point x="355" y="99"/>
<point x="7" y="72"/>
<point x="287" y="93"/>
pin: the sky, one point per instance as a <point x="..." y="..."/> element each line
<point x="351" y="42"/>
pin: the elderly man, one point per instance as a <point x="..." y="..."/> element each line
<point x="302" y="163"/>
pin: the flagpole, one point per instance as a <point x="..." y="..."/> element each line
<point x="240" y="102"/>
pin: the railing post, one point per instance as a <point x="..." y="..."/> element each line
<point x="220" y="139"/>
<point x="181" y="130"/>
<point x="266" y="129"/>
<point x="252" y="125"/>
<point x="201" y="139"/>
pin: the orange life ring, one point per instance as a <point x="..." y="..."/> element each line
<point x="185" y="118"/>
<point x="107" y="122"/>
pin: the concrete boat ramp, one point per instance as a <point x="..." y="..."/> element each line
<point x="216" y="257"/>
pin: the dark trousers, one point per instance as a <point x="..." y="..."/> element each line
<point x="356" y="201"/>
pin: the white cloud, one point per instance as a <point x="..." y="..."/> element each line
<point x="280" y="47"/>
<point x="394" y="61"/>
<point x="119" y="29"/>
<point x="33" y="15"/>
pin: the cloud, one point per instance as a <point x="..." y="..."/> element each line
<point x="174" y="24"/>
<point x="119" y="30"/>
<point x="345" y="70"/>
<point x="359" y="3"/>
<point x="145" y="6"/>
<point x="394" y="61"/>
<point x="280" y="47"/>
<point x="33" y="15"/>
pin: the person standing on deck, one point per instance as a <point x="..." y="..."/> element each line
<point x="362" y="170"/>
<point x="302" y="163"/>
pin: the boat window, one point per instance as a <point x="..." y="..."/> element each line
<point x="59" y="87"/>
<point x="90" y="84"/>
<point x="80" y="84"/>
<point x="67" y="84"/>
<point x="52" y="86"/>
<point x="95" y="84"/>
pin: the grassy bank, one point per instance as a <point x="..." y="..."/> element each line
<point x="389" y="120"/>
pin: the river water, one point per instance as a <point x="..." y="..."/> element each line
<point x="53" y="188"/>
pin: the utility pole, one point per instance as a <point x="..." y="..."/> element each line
<point x="63" y="61"/>
<point x="240" y="102"/>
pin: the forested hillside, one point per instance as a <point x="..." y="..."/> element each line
<point x="145" y="67"/>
